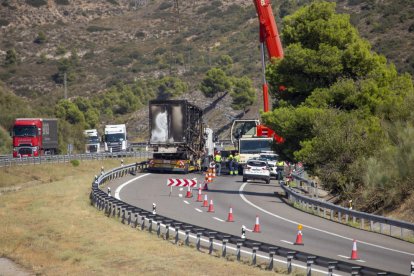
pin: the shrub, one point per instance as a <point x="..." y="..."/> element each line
<point x="75" y="162"/>
<point x="113" y="2"/>
<point x="36" y="3"/>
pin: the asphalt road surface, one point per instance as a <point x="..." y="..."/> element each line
<point x="278" y="221"/>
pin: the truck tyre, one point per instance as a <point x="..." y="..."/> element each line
<point x="244" y="179"/>
<point x="268" y="181"/>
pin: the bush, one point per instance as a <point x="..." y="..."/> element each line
<point x="75" y="162"/>
<point x="41" y="38"/>
<point x="36" y="3"/>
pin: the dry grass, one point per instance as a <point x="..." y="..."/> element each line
<point x="50" y="228"/>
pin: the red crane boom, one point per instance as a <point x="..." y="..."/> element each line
<point x="269" y="35"/>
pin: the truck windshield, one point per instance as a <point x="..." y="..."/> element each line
<point x="92" y="139"/>
<point x="255" y="146"/>
<point x="116" y="137"/>
<point x="24" y="131"/>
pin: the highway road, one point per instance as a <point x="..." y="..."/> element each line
<point x="278" y="221"/>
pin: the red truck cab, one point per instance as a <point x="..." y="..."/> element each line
<point x="34" y="136"/>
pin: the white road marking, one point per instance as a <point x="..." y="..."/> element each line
<point x="198" y="210"/>
<point x="181" y="189"/>
<point x="180" y="195"/>
<point x="118" y="190"/>
<point x="314" y="228"/>
<point x="342" y="256"/>
<point x="186" y="202"/>
<point x="250" y="230"/>
<point x="286" y="241"/>
<point x="361" y="261"/>
<point x="219" y="219"/>
<point x="348" y="258"/>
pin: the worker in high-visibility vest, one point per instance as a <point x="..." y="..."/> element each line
<point x="280" y="168"/>
<point x="217" y="160"/>
<point x="236" y="163"/>
<point x="230" y="161"/>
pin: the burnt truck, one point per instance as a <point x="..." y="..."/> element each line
<point x="176" y="136"/>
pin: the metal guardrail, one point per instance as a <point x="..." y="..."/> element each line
<point x="8" y="161"/>
<point x="146" y="220"/>
<point x="365" y="221"/>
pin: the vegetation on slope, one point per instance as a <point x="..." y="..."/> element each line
<point x="346" y="112"/>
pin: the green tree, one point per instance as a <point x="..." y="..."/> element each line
<point x="216" y="81"/>
<point x="243" y="93"/>
<point x="70" y="112"/>
<point x="321" y="48"/>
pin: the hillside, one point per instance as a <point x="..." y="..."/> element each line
<point x="124" y="41"/>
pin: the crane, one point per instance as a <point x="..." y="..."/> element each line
<point x="269" y="35"/>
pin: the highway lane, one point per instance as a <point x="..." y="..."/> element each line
<point x="278" y="221"/>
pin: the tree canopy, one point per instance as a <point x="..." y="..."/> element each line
<point x="343" y="103"/>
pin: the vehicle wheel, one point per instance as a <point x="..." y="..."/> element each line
<point x="244" y="179"/>
<point x="268" y="181"/>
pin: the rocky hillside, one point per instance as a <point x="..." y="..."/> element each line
<point x="114" y="41"/>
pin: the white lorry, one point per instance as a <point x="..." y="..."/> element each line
<point x="115" y="138"/>
<point x="92" y="144"/>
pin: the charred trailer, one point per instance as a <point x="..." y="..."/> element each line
<point x="176" y="136"/>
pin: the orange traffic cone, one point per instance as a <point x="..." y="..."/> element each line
<point x="299" y="240"/>
<point x="210" y="177"/>
<point x="230" y="216"/>
<point x="354" y="254"/>
<point x="189" y="193"/>
<point x="205" y="203"/>
<point x="199" y="199"/>
<point x="257" y="225"/>
<point x="211" y="207"/>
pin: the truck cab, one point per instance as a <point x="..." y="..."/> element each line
<point x="92" y="143"/>
<point x="115" y="138"/>
<point x="33" y="137"/>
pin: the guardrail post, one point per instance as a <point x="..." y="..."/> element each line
<point x="254" y="249"/>
<point x="142" y="222"/>
<point x="339" y="217"/>
<point x="136" y="220"/>
<point x="167" y="232"/>
<point x="150" y="225"/>
<point x="289" y="258"/>
<point x="272" y="251"/>
<point x="224" y="248"/>
<point x="129" y="217"/>
<point x="309" y="261"/>
<point x="402" y="232"/>
<point x="187" y="237"/>
<point x="198" y="241"/>
<point x="324" y="212"/>
<point x="412" y="268"/>
<point x="332" y="214"/>
<point x="371" y="226"/>
<point x="239" y="244"/>
<point x="211" y="242"/>
<point x="158" y="228"/>
<point x="177" y="227"/>
<point x="346" y="218"/>
<point x="362" y="223"/>
<point x="331" y="267"/>
<point x="123" y="216"/>
<point x="355" y="270"/>
<point x="381" y="227"/>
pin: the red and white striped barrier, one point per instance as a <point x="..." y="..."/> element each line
<point x="177" y="182"/>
